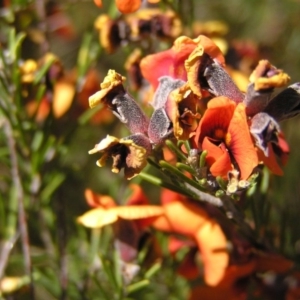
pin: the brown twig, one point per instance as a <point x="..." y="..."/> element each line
<point x="6" y="248"/>
<point x="11" y="143"/>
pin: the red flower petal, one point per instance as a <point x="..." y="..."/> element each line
<point x="217" y="158"/>
<point x="188" y="267"/>
<point x="169" y="62"/>
<point x="240" y="144"/>
<point x="270" y="161"/>
<point x="138" y="196"/>
<point x="128" y="6"/>
<point x="168" y="196"/>
<point x="96" y="200"/>
<point x="217" y="117"/>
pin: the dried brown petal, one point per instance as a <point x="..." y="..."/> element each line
<point x="132" y="66"/>
<point x="206" y="50"/>
<point x="111" y="86"/>
<point x="266" y="76"/>
<point x="129" y="153"/>
<point x="111" y="33"/>
<point x="182" y="108"/>
<point x="147" y="22"/>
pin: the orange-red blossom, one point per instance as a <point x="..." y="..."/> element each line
<point x="224" y="132"/>
<point x="126" y="6"/>
<point x="176" y="215"/>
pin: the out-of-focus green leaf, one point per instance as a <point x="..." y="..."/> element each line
<point x="37" y="140"/>
<point x="52" y="186"/>
<point x="137" y="286"/>
<point x="43" y="70"/>
<point x="88" y="114"/>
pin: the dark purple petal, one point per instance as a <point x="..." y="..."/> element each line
<point x="264" y="129"/>
<point x="256" y="101"/>
<point x="286" y="104"/>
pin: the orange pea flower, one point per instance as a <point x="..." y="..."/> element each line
<point x="182" y="216"/>
<point x="223" y="131"/>
<point x="176" y="215"/>
<point x="234" y="283"/>
<point x="129" y="221"/>
<point x="126" y="6"/>
<point x="106" y="211"/>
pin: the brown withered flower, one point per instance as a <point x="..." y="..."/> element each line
<point x="114" y="96"/>
<point x="129" y="153"/>
<point x="111" y="33"/>
<point x="194" y="64"/>
<point x="146" y="22"/>
<point x="181" y="108"/>
<point x="111" y="86"/>
<point x="263" y="80"/>
<point x="167" y="25"/>
<point x="266" y="76"/>
<point x="132" y="66"/>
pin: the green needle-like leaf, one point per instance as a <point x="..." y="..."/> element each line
<point x="176" y="150"/>
<point x="179" y="174"/>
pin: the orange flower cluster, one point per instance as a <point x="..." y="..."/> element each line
<point x="239" y="130"/>
<point x="228" y="135"/>
<point x="225" y="260"/>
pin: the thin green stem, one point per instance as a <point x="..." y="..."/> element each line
<point x="202" y="160"/>
<point x="180" y="175"/>
<point x="175" y="150"/>
<point x="159" y="182"/>
<point x="184" y="167"/>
